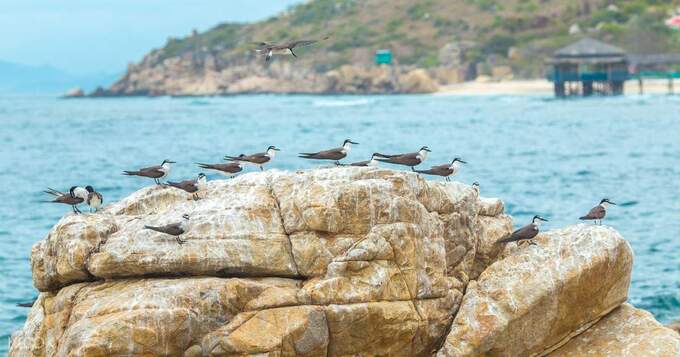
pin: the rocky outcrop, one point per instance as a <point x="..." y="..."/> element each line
<point x="327" y="262"/>
<point x="190" y="75"/>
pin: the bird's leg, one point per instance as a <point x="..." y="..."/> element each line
<point x="77" y="210"/>
<point x="261" y="169"/>
<point x="293" y="53"/>
<point x="180" y="241"/>
<point x="448" y="179"/>
<point x="74" y="209"/>
<point x="531" y="242"/>
<point x="413" y="169"/>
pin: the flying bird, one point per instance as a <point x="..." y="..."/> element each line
<point x="94" y="199"/>
<point x="410" y="159"/>
<point x="258" y="159"/>
<point x="335" y="154"/>
<point x="73" y="197"/>
<point x="368" y="163"/>
<point x="446" y="170"/>
<point x="173" y="229"/>
<point x="598" y="212"/>
<point x="229" y="169"/>
<point x="155" y="172"/>
<point x="191" y="186"/>
<point x="527" y="232"/>
<point x="269" y="49"/>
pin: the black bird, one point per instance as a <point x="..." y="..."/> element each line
<point x="174" y="229"/>
<point x="410" y="159"/>
<point x="598" y="212"/>
<point x="270" y="49"/>
<point x="527" y="232"/>
<point x="191" y="186"/>
<point x="94" y="198"/>
<point x="258" y="159"/>
<point x="335" y="154"/>
<point x="229" y="169"/>
<point x="72" y="197"/>
<point x="155" y="172"/>
<point x="368" y="163"/>
<point x="446" y="170"/>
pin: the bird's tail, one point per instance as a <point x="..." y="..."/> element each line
<point x="153" y="228"/>
<point x="26" y="304"/>
<point x="507" y="239"/>
<point x="205" y="166"/>
<point x="383" y="155"/>
<point x="234" y="158"/>
<point x="583" y="218"/>
<point x="53" y="192"/>
<point x="385" y="160"/>
<point x="131" y="173"/>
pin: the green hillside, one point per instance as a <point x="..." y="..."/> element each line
<point x="490" y="32"/>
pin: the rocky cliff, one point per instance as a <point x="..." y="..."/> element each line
<point x="330" y="262"/>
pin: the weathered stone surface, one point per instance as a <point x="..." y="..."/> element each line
<point x="339" y="261"/>
<point x="624" y="332"/>
<point x="538" y="297"/>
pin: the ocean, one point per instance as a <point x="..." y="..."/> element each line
<point x="556" y="158"/>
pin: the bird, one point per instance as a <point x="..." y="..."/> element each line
<point x="258" y="159"/>
<point x="155" y="172"/>
<point x="191" y="186"/>
<point x="229" y="169"/>
<point x="527" y="232"/>
<point x="73" y="197"/>
<point x="94" y="199"/>
<point x="335" y="154"/>
<point x="598" y="212"/>
<point x="446" y="170"/>
<point x="173" y="229"/>
<point x="27" y="304"/>
<point x="270" y="49"/>
<point x="410" y="159"/>
<point x="368" y="163"/>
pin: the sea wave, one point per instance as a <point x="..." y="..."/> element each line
<point x="342" y="103"/>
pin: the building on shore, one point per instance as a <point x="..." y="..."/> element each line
<point x="588" y="67"/>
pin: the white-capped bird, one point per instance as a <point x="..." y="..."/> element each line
<point x="157" y="173"/>
<point x="527" y="232"/>
<point x="174" y="229"/>
<point x="194" y="187"/>
<point x="598" y="212"/>
<point x="259" y="159"/>
<point x="335" y="154"/>
<point x="94" y="199"/>
<point x="446" y="170"/>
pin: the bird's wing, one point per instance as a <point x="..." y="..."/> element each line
<point x="303" y="43"/>
<point x="596" y="212"/>
<point x="431" y="171"/>
<point x="360" y="163"/>
<point x="332" y="154"/>
<point x="173" y="229"/>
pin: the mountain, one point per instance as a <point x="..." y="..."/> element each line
<point x="465" y="37"/>
<point x="18" y="77"/>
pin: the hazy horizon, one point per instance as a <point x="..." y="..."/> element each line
<point x="81" y="37"/>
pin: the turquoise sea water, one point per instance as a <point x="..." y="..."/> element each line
<point x="542" y="156"/>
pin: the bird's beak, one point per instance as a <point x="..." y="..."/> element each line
<point x="610" y="202"/>
<point x="459" y="160"/>
<point x="543" y="219"/>
<point x="352" y="142"/>
<point x="171" y="162"/>
<point x="277" y="149"/>
<point x="428" y="150"/>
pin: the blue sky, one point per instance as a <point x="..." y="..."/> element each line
<point x="90" y="36"/>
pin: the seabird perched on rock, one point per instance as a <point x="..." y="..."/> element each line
<point x="258" y="159"/>
<point x="446" y="170"/>
<point x="598" y="212"/>
<point x="94" y="198"/>
<point x="368" y="163"/>
<point x="229" y="169"/>
<point x="335" y="154"/>
<point x="173" y="229"/>
<point x="155" y="172"/>
<point x="73" y="197"/>
<point x="270" y="49"/>
<point x="475" y="186"/>
<point x="410" y="159"/>
<point x="527" y="232"/>
<point x="191" y="186"/>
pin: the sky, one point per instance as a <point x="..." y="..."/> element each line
<point x="103" y="36"/>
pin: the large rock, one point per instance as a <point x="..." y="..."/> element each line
<point x="339" y="261"/>
<point x="539" y="296"/>
<point x="625" y="332"/>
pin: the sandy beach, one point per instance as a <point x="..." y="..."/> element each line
<point x="540" y="87"/>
